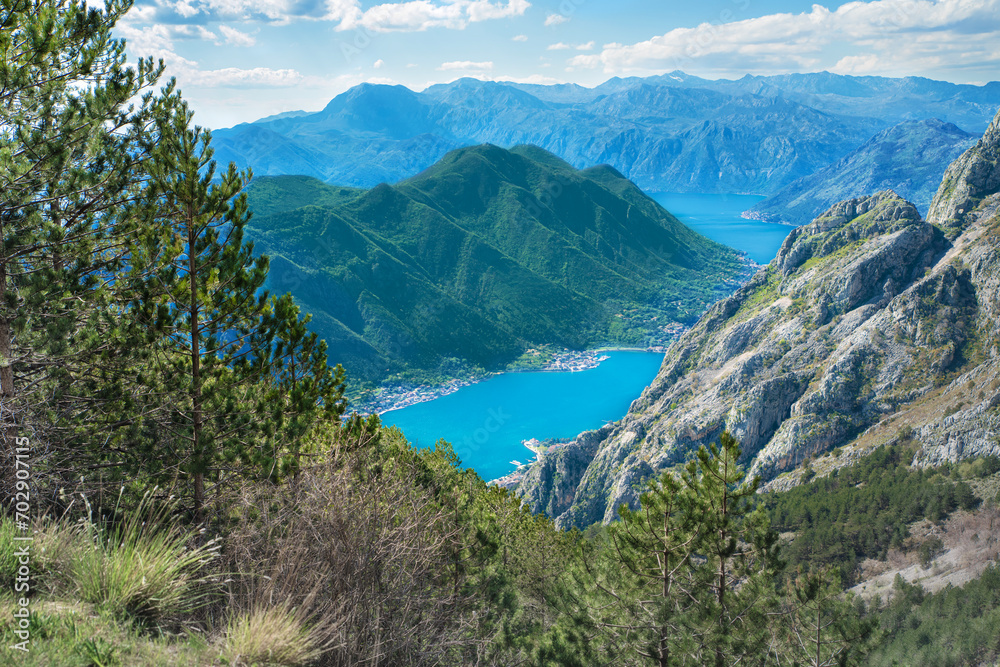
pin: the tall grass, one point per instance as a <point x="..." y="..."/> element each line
<point x="52" y="546"/>
<point x="275" y="635"/>
<point x="143" y="565"/>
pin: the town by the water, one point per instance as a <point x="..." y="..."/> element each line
<point x="400" y="395"/>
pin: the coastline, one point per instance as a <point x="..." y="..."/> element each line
<point x="400" y="395"/>
<point x="396" y="397"/>
<point x="750" y="214"/>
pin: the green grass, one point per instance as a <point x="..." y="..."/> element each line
<point x="134" y="592"/>
<point x="144" y="567"/>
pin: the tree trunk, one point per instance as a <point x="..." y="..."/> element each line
<point x="196" y="435"/>
<point x="664" y="631"/>
<point x="8" y="428"/>
<point x="723" y="544"/>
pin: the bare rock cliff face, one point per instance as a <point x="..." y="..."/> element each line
<point x="869" y="326"/>
<point x="968" y="180"/>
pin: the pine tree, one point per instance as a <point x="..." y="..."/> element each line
<point x="70" y="157"/>
<point x="302" y="386"/>
<point x="821" y="626"/>
<point x="206" y="305"/>
<point x="738" y="558"/>
<point x="692" y="572"/>
<point x="652" y="585"/>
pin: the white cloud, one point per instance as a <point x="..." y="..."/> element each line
<point x="237" y="38"/>
<point x="882" y="35"/>
<point x="419" y="15"/>
<point x="519" y="38"/>
<point x="158" y="41"/>
<point x="378" y="64"/>
<point x="534" y="78"/>
<point x="465" y="65"/>
<point x="864" y="63"/>
<point x="411" y="15"/>
<point x="147" y="40"/>
<point x="234" y="76"/>
<point x="562" y="46"/>
<point x="555" y="19"/>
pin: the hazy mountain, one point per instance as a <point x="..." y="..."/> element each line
<point x="871" y="326"/>
<point x="908" y="158"/>
<point x="485" y="252"/>
<point x="670" y="133"/>
<point x="892" y="100"/>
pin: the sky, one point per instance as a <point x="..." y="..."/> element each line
<point x="240" y="60"/>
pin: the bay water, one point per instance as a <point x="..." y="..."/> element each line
<point x="717" y="216"/>
<point x="487" y="422"/>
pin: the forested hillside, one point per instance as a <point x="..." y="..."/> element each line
<point x="483" y="254"/>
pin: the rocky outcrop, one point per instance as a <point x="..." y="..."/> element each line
<point x="550" y="484"/>
<point x="871" y="325"/>
<point x="968" y="180"/>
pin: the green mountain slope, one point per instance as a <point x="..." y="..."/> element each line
<point x="485" y="252"/>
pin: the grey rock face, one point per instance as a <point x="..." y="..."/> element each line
<point x="868" y="324"/>
<point x="968" y="180"/>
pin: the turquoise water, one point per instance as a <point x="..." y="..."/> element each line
<point x="486" y="422"/>
<point x="718" y="218"/>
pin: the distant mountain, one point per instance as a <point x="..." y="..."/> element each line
<point x="669" y="133"/>
<point x="485" y="252"/>
<point x="889" y="99"/>
<point x="871" y="326"/>
<point x="908" y="158"/>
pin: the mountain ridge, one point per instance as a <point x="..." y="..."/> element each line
<point x="909" y="158"/>
<point x="872" y="326"/>
<point x="671" y="133"/>
<point x="482" y="254"/>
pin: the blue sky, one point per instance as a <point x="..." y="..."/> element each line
<point x="239" y="60"/>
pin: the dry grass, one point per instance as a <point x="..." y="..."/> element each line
<point x="274" y="635"/>
<point x="359" y="560"/>
<point x="971" y="542"/>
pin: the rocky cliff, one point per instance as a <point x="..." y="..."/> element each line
<point x="870" y="326"/>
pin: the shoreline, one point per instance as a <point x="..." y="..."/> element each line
<point x="402" y="394"/>
<point x="765" y="218"/>
<point x="567" y="361"/>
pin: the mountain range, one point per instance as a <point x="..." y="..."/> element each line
<point x="871" y="326"/>
<point x="486" y="252"/>
<point x="669" y="133"/>
<point x="908" y="158"/>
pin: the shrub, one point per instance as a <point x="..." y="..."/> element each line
<point x="929" y="549"/>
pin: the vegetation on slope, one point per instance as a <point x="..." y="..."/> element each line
<point x="908" y="158"/>
<point x="862" y="510"/>
<point x="485" y="253"/>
